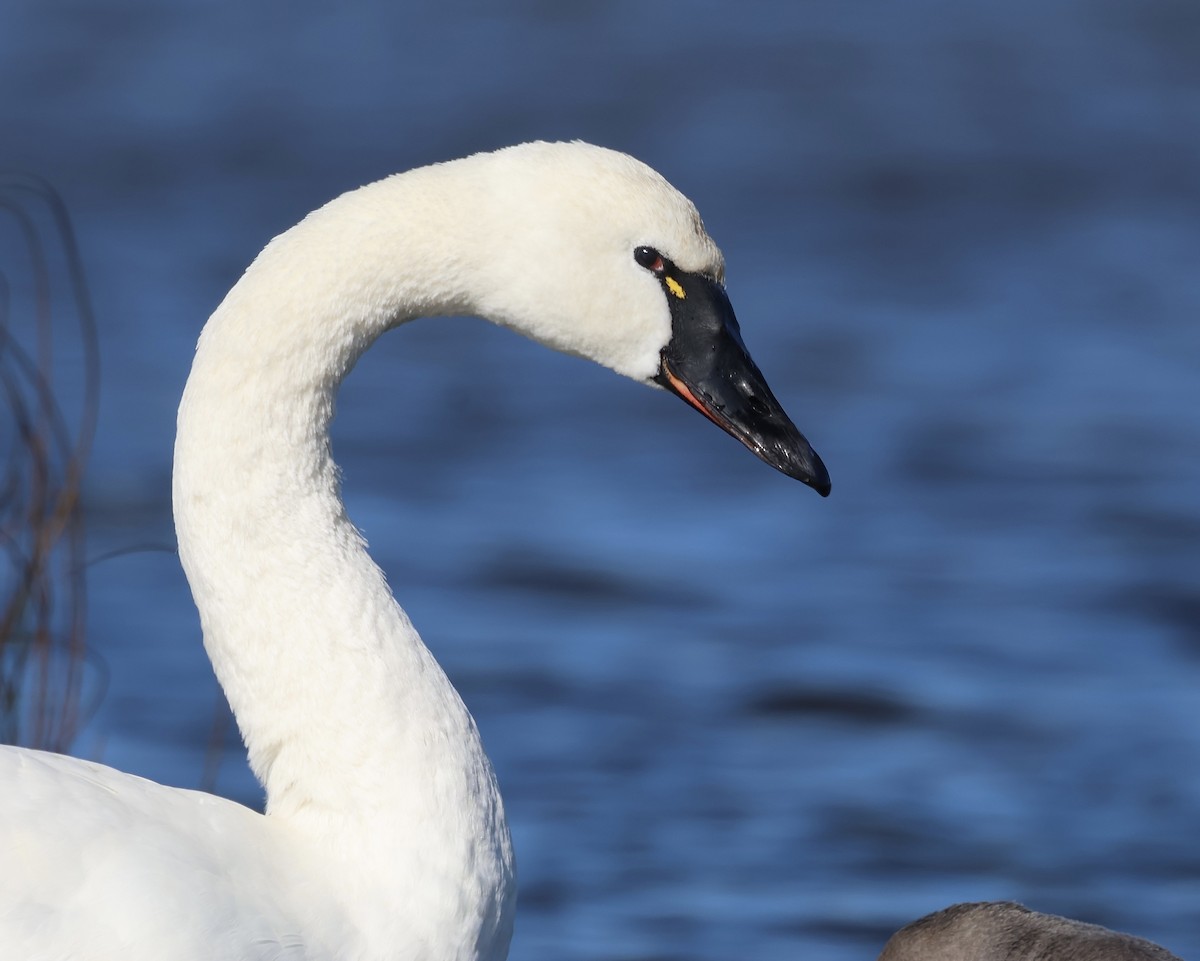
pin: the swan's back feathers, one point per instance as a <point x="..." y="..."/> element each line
<point x="97" y="864"/>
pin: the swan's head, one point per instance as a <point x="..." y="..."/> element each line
<point x="593" y="253"/>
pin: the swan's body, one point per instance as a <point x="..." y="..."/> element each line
<point x="1005" y="931"/>
<point x="384" y="835"/>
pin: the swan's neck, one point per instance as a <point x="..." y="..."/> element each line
<point x="353" y="729"/>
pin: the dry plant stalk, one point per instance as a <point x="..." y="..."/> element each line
<point x="43" y="452"/>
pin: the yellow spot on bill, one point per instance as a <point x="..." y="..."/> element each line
<point x="675" y="287"/>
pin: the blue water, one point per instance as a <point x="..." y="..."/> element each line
<point x="731" y="720"/>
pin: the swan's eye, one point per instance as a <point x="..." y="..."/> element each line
<point x="649" y="258"/>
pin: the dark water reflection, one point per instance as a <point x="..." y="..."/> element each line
<point x="731" y="719"/>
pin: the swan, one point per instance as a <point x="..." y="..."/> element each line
<point x="384" y="835"/>
<point x="1007" y="931"/>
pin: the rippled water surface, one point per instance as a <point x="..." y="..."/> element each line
<point x="731" y="720"/>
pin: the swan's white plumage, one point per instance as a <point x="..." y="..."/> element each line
<point x="384" y="835"/>
<point x="98" y="862"/>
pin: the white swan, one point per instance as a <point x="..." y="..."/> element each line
<point x="1006" y="931"/>
<point x="384" y="835"/>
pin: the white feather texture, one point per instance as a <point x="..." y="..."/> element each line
<point x="384" y="835"/>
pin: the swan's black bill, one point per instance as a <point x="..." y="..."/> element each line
<point x="707" y="365"/>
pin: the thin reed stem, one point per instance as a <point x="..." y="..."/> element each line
<point x="43" y="588"/>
